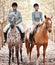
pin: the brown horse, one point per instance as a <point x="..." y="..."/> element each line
<point x="14" y="40"/>
<point x="40" y="38"/>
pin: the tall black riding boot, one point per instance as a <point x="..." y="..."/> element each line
<point x="21" y="34"/>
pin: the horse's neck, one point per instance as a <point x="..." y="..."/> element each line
<point x="43" y="29"/>
<point x="13" y="31"/>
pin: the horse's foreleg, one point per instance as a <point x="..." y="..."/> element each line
<point x="44" y="53"/>
<point x="21" y="50"/>
<point x="13" y="54"/>
<point x="5" y="37"/>
<point x="21" y="54"/>
<point x="38" y="54"/>
<point x="9" y="55"/>
<point x="27" y="46"/>
<point x="17" y="55"/>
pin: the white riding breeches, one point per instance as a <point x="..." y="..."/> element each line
<point x="8" y="25"/>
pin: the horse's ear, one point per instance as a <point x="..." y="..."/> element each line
<point x="45" y="16"/>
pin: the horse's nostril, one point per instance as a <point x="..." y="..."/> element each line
<point x="49" y="31"/>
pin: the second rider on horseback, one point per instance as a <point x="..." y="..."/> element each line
<point x="36" y="19"/>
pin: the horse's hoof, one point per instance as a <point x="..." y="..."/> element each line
<point x="21" y="60"/>
<point x="13" y="60"/>
<point x="0" y="48"/>
<point x="37" y="63"/>
<point x="18" y="63"/>
<point x="28" y="61"/>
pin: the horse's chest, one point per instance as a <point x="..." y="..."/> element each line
<point x="14" y="37"/>
<point x="42" y="39"/>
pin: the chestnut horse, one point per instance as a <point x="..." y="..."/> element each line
<point x="40" y="38"/>
<point x="14" y="40"/>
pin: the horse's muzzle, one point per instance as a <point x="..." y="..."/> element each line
<point x="12" y="26"/>
<point x="49" y="31"/>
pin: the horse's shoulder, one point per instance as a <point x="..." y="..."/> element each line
<point x="9" y="31"/>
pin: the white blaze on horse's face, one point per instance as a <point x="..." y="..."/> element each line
<point x="49" y="21"/>
<point x="49" y="25"/>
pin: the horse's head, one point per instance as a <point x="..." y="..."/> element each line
<point x="48" y="22"/>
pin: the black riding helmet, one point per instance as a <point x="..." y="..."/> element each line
<point x="14" y="4"/>
<point x="35" y="5"/>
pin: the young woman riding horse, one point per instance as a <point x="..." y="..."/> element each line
<point x="13" y="37"/>
<point x="40" y="38"/>
<point x="18" y="17"/>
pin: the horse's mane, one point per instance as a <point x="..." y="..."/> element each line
<point x="41" y="26"/>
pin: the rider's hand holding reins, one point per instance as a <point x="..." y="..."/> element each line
<point x="39" y="23"/>
<point x="17" y="23"/>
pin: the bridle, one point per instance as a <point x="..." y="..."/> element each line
<point x="47" y="26"/>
